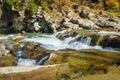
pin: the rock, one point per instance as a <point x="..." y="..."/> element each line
<point x="40" y="22"/>
<point x="17" y="38"/>
<point x="36" y="26"/>
<point x="102" y="38"/>
<point x="87" y="24"/>
<point x="68" y="13"/>
<point x="65" y="34"/>
<point x="85" y="12"/>
<point x="88" y="61"/>
<point x="70" y="25"/>
<point x="5" y="47"/>
<point x="31" y="50"/>
<point x="53" y="72"/>
<point x="109" y="39"/>
<point x="8" y="60"/>
<point x="105" y="23"/>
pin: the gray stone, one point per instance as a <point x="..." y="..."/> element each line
<point x="87" y="24"/>
<point x="70" y="25"/>
<point x="36" y="26"/>
<point x="5" y="47"/>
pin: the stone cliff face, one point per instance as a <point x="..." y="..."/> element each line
<point x="4" y="17"/>
<point x="17" y="19"/>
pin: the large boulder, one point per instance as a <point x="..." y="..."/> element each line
<point x="109" y="39"/>
<point x="102" y="38"/>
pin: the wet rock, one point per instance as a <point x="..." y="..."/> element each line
<point x="65" y="34"/>
<point x="5" y="47"/>
<point x="8" y="60"/>
<point x="33" y="51"/>
<point x="17" y="38"/>
<point x="109" y="39"/>
<point x="102" y="38"/>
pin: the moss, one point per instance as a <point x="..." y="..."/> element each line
<point x="8" y="61"/>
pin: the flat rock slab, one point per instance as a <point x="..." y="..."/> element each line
<point x="19" y="69"/>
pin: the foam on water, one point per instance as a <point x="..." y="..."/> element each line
<point x="50" y="42"/>
<point x="6" y="36"/>
<point x="26" y="62"/>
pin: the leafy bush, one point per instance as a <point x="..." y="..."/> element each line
<point x="10" y="2"/>
<point x="32" y="8"/>
<point x="112" y="4"/>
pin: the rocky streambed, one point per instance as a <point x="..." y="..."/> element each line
<point x="86" y="53"/>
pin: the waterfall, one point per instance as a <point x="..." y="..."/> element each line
<point x="42" y="60"/>
<point x="51" y="42"/>
<point x="85" y="40"/>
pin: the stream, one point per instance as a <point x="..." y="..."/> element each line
<point x="51" y="42"/>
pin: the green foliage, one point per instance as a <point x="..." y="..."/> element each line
<point x="32" y="8"/>
<point x="17" y="4"/>
<point x="10" y="2"/>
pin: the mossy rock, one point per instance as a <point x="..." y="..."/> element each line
<point x="9" y="60"/>
<point x="88" y="61"/>
<point x="78" y="63"/>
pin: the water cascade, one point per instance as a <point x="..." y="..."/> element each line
<point x="51" y="42"/>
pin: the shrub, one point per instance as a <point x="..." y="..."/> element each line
<point x="112" y="4"/>
<point x="10" y="2"/>
<point x="32" y="8"/>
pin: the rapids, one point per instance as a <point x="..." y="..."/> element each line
<point x="51" y="42"/>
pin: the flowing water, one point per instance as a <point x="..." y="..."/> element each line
<point x="51" y="42"/>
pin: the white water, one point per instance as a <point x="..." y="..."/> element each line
<point x="6" y="37"/>
<point x="26" y="62"/>
<point x="50" y="42"/>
